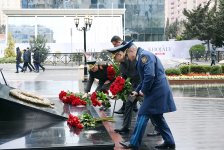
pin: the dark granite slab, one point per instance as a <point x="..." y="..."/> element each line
<point x="17" y="107"/>
<point x="24" y="126"/>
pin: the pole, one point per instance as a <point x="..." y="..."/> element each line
<point x="85" y="64"/>
<point x="114" y="107"/>
<point x="72" y="56"/>
<point x="3" y="76"/>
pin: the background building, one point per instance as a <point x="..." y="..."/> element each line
<point x="144" y="19"/>
<point x="174" y="8"/>
<point x="6" y="4"/>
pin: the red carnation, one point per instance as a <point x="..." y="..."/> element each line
<point x="111" y="72"/>
<point x="62" y="94"/>
<point x="74" y="121"/>
<point x="117" y="86"/>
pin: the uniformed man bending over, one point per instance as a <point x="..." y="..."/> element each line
<point x="97" y="71"/>
<point x="128" y="70"/>
<point x="158" y="98"/>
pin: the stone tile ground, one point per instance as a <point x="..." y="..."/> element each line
<point x="196" y="125"/>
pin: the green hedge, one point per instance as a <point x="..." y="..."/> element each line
<point x="207" y="68"/>
<point x="7" y="60"/>
<point x="222" y="67"/>
<point x="185" y="69"/>
<point x="197" y="69"/>
<point x="173" y="71"/>
<point x="216" y="70"/>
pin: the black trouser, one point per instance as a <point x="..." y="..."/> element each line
<point x="103" y="87"/>
<point x="41" y="66"/>
<point x="129" y="105"/>
<point x="25" y="65"/>
<point x="213" y="62"/>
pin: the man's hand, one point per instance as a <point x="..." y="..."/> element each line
<point x="106" y="82"/>
<point x="140" y="93"/>
<point x="85" y="95"/>
<point x="134" y="93"/>
<point x="113" y="96"/>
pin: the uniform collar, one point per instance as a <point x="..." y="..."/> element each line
<point x="138" y="53"/>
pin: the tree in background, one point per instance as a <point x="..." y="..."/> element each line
<point x="173" y="30"/>
<point x="40" y="43"/>
<point x="218" y="34"/>
<point x="200" y="24"/>
<point x="10" y="49"/>
<point x="197" y="51"/>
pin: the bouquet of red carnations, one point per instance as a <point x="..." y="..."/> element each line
<point x="73" y="98"/>
<point x="85" y="120"/>
<point x="99" y="98"/>
<point x="121" y="88"/>
<point x="74" y="121"/>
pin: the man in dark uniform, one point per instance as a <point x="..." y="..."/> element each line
<point x="128" y="70"/>
<point x="99" y="72"/>
<point x="158" y="98"/>
<point x="124" y="68"/>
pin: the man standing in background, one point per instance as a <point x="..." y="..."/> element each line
<point x="18" y="60"/>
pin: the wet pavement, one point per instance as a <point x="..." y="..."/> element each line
<point x="196" y="125"/>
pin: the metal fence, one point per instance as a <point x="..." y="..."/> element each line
<point x="73" y="58"/>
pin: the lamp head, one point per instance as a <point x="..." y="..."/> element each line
<point x="76" y="22"/>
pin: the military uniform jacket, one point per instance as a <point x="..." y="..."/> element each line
<point x="100" y="74"/>
<point x="158" y="98"/>
<point x="128" y="70"/>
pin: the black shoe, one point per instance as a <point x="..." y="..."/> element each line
<point x="43" y="69"/>
<point x="119" y="111"/>
<point x="165" y="146"/>
<point x="122" y="130"/>
<point x="154" y="133"/>
<point x="16" y="72"/>
<point x="127" y="145"/>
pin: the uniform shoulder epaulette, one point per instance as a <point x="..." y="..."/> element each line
<point x="144" y="59"/>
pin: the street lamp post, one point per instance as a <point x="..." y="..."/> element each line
<point x="87" y="26"/>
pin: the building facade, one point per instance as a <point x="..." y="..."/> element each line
<point x="6" y="4"/>
<point x="174" y="8"/>
<point x="144" y="19"/>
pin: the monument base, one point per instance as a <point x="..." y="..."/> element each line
<point x="26" y="126"/>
